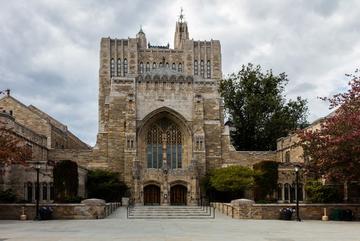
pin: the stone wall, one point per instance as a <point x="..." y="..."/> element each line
<point x="272" y="211"/>
<point x="60" y="211"/>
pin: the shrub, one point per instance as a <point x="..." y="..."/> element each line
<point x="105" y="185"/>
<point x="7" y="196"/>
<point x="66" y="180"/>
<point x="319" y="193"/>
<point x="266" y="179"/>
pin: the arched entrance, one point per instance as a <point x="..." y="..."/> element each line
<point x="151" y="195"/>
<point x="178" y="195"/>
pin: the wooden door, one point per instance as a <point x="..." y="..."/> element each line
<point x="151" y="195"/>
<point x="178" y="195"/>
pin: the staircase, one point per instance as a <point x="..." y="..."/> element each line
<point x="170" y="212"/>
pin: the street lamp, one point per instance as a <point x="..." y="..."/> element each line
<point x="297" y="169"/>
<point x="37" y="167"/>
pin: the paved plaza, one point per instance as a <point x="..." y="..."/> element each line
<point x="117" y="227"/>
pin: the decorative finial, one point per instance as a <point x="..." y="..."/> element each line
<point x="141" y="31"/>
<point x="181" y="16"/>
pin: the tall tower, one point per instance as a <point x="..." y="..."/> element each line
<point x="181" y="32"/>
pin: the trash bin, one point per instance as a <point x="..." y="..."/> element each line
<point x="336" y="214"/>
<point x="45" y="213"/>
<point x="347" y="215"/>
<point x="286" y="213"/>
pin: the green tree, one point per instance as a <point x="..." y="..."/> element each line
<point x="257" y="107"/>
<point x="105" y="185"/>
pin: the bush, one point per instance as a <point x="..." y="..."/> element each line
<point x="105" y="185"/>
<point x="226" y="184"/>
<point x="319" y="193"/>
<point x="7" y="196"/>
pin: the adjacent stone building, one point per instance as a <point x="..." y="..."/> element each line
<point x="41" y="133"/>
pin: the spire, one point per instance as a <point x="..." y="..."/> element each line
<point x="181" y="16"/>
<point x="141" y="31"/>
<point x="181" y="31"/>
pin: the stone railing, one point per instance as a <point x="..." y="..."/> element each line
<point x="89" y="210"/>
<point x="272" y="211"/>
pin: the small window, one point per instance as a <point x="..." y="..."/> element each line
<point x="44" y="191"/>
<point x="180" y="67"/>
<point x="147" y="67"/>
<point x="167" y="65"/>
<point x="141" y="67"/>
<point x="52" y="191"/>
<point x="125" y="66"/>
<point x="173" y="66"/>
<point x="112" y="67"/>
<point x="196" y="68"/>
<point x="160" y="64"/>
<point x="29" y="191"/>
<point x="11" y="112"/>
<point x="118" y="67"/>
<point x="202" y="70"/>
<point x="287" y="156"/>
<point x="154" y="65"/>
<point x="208" y="69"/>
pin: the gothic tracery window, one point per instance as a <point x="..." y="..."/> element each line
<point x="154" y="65"/>
<point x="147" y="67"/>
<point x="180" y="67"/>
<point x="164" y="138"/>
<point x="141" y="67"/>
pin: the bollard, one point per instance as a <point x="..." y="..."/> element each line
<point x="325" y="217"/>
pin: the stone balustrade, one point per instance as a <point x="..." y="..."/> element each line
<point x="272" y="211"/>
<point x="60" y="210"/>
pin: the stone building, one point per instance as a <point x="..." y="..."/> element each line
<point x="161" y="118"/>
<point x="41" y="133"/>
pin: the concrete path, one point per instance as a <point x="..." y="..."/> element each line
<point x="117" y="227"/>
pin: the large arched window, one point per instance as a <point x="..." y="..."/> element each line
<point x="164" y="137"/>
<point x="154" y="65"/>
<point x="180" y="67"/>
<point x="125" y="66"/>
<point x="147" y="67"/>
<point x="112" y="67"/>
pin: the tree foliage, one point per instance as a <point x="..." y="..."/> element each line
<point x="333" y="150"/>
<point x="105" y="185"/>
<point x="266" y="179"/>
<point x="231" y="179"/>
<point x="66" y="180"/>
<point x="12" y="148"/>
<point x="318" y="193"/>
<point x="257" y="107"/>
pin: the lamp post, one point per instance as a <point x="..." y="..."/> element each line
<point x="297" y="169"/>
<point x="37" y="191"/>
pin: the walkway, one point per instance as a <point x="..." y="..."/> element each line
<point x="117" y="227"/>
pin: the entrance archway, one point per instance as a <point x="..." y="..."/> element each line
<point x="178" y="195"/>
<point x="151" y="195"/>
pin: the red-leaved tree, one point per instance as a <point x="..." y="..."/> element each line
<point x="333" y="150"/>
<point x="12" y="148"/>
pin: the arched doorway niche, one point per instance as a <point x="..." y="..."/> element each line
<point x="164" y="134"/>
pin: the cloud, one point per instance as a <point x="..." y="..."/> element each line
<point x="49" y="51"/>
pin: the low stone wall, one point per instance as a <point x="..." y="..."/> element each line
<point x="272" y="211"/>
<point x="60" y="211"/>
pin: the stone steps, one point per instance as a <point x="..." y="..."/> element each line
<point x="170" y="212"/>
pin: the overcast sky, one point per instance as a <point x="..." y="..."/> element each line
<point x="49" y="50"/>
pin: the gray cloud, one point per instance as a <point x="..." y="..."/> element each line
<point x="49" y="49"/>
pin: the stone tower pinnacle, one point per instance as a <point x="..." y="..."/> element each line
<point x="141" y="38"/>
<point x="181" y="32"/>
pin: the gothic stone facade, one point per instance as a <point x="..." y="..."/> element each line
<point x="161" y="118"/>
